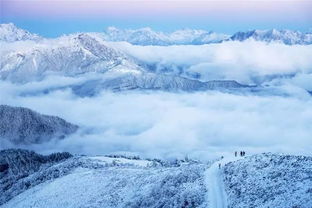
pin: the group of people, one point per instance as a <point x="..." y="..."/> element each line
<point x="241" y="153"/>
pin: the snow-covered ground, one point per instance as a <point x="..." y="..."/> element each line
<point x="112" y="160"/>
<point x="213" y="178"/>
<point x="264" y="180"/>
<point x="99" y="182"/>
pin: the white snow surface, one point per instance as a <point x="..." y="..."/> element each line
<point x="216" y="194"/>
<point x="119" y="184"/>
<point x="97" y="181"/>
<point x="111" y="160"/>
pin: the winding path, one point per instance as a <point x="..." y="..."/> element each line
<point x="216" y="195"/>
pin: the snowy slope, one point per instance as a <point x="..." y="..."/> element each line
<point x="10" y="33"/>
<point x="24" y="126"/>
<point x="92" y="182"/>
<point x="269" y="180"/>
<point x="16" y="165"/>
<point x="288" y="37"/>
<point x="146" y="36"/>
<point x="265" y="180"/>
<point x="68" y="55"/>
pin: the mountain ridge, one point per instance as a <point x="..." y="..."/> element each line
<point x="287" y="37"/>
<point x="147" y="36"/>
<point x="24" y="126"/>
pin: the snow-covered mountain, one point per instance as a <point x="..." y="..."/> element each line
<point x="84" y="53"/>
<point x="146" y="36"/>
<point x="68" y="55"/>
<point x="24" y="126"/>
<point x="79" y="54"/>
<point x="288" y="37"/>
<point x="151" y="81"/>
<point x="62" y="180"/>
<point x="10" y="33"/>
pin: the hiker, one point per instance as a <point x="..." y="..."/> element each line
<point x="219" y="165"/>
<point x="235" y="153"/>
<point x="241" y="153"/>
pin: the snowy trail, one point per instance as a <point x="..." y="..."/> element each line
<point x="216" y="195"/>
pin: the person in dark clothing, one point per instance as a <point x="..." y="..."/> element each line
<point x="219" y="165"/>
<point x="235" y="153"/>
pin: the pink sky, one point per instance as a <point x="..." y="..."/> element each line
<point x="54" y="17"/>
<point x="246" y="8"/>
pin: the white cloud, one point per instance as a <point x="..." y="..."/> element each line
<point x="247" y="62"/>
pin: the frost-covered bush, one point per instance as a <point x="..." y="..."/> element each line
<point x="59" y="180"/>
<point x="269" y="180"/>
<point x="171" y="187"/>
<point x="17" y="165"/>
<point x="94" y="183"/>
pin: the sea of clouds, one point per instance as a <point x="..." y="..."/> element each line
<point x="249" y="62"/>
<point x="197" y="125"/>
<point x="163" y="124"/>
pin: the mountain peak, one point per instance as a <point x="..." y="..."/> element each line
<point x="10" y="33"/>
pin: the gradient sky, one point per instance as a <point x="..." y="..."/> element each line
<point x="55" y="17"/>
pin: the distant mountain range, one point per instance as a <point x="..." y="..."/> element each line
<point x="82" y="53"/>
<point x="287" y="37"/>
<point x="151" y="81"/>
<point x="147" y="36"/>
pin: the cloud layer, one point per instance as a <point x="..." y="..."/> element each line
<point x="168" y="125"/>
<point x="247" y="62"/>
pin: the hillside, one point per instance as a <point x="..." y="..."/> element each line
<point x="23" y="126"/>
<point x="264" y="180"/>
